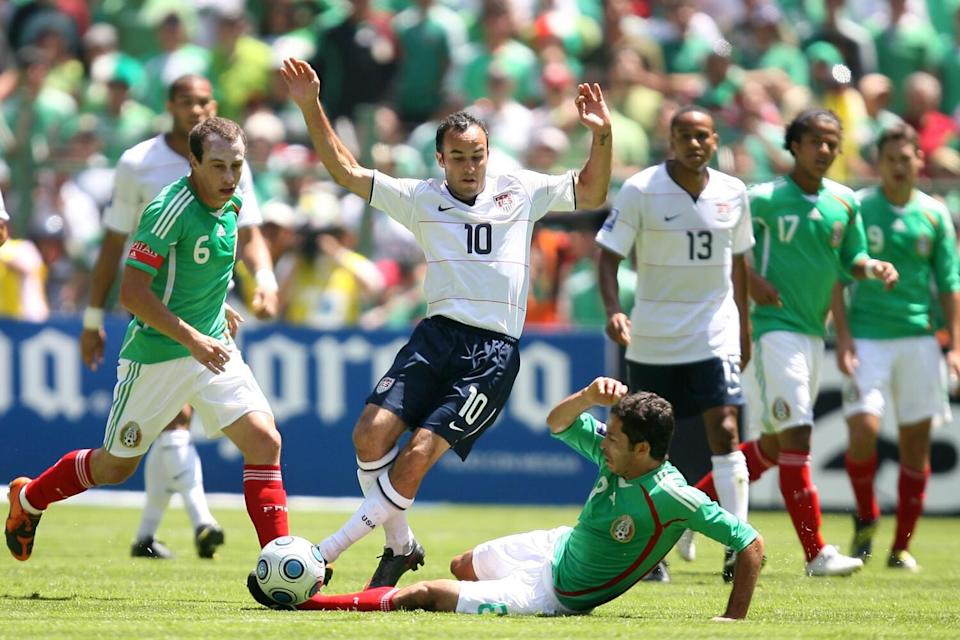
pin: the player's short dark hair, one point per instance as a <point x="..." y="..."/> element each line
<point x="804" y="122"/>
<point x="691" y="108"/>
<point x="181" y="84"/>
<point x="899" y="132"/>
<point x="459" y="121"/>
<point x="220" y="127"/>
<point x="646" y="417"/>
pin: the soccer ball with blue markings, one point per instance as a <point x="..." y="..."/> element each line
<point x="290" y="570"/>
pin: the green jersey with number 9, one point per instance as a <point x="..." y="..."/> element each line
<point x="190" y="249"/>
<point x="805" y="242"/>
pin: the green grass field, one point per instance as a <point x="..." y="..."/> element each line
<point x="81" y="583"/>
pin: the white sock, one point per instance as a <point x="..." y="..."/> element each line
<point x="185" y="476"/>
<point x="732" y="481"/>
<point x="29" y="508"/>
<point x="382" y="504"/>
<point x="396" y="530"/>
<point x="155" y="486"/>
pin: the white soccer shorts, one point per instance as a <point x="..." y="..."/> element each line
<point x="515" y="576"/>
<point x="783" y="379"/>
<point x="910" y="369"/>
<point x="148" y="396"/>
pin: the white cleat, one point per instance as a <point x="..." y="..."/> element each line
<point x="903" y="560"/>
<point x="830" y="562"/>
<point x="686" y="546"/>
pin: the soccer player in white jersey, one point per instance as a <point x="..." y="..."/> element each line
<point x="450" y="381"/>
<point x="178" y="348"/>
<point x="688" y="335"/>
<point x="173" y="466"/>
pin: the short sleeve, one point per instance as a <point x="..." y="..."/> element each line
<point x="584" y="436"/>
<point x="549" y="192"/>
<point x="395" y="197"/>
<point x="624" y="222"/>
<point x="250" y="214"/>
<point x="945" y="256"/>
<point x="158" y="231"/>
<point x="718" y="524"/>
<point x="743" y="239"/>
<point x="121" y="214"/>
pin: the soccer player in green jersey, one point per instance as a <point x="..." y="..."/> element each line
<point x="885" y="339"/>
<point x="178" y="348"/>
<point x="808" y="231"/>
<point x="636" y="511"/>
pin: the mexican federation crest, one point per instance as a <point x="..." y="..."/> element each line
<point x="623" y="529"/>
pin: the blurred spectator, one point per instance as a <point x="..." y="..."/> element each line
<point x="241" y="66"/>
<point x="265" y="132"/>
<point x="686" y="36"/>
<point x="877" y="92"/>
<point x="509" y="122"/>
<point x="853" y="40"/>
<point x="547" y="146"/>
<point x="177" y="57"/>
<point x="402" y="302"/>
<point x="763" y="156"/>
<point x="62" y="284"/>
<point x="429" y="35"/>
<point x="773" y="51"/>
<point x="22" y="275"/>
<point x="547" y="253"/>
<point x="950" y="70"/>
<point x="626" y="91"/>
<point x="32" y="18"/>
<point x="281" y="226"/>
<point x="937" y="132"/>
<point x="123" y="122"/>
<point x="905" y="43"/>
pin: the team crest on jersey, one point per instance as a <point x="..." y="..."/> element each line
<point x="130" y="435"/>
<point x="836" y="238"/>
<point x="724" y="211"/>
<point x="923" y="245"/>
<point x="385" y="384"/>
<point x="623" y="529"/>
<point x="781" y="410"/>
<point x="504" y="201"/>
<point x="851" y="393"/>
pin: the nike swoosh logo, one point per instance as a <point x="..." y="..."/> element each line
<point x="439" y="208"/>
<point x="455" y="427"/>
<point x="669" y="218"/>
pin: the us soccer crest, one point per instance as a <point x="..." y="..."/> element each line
<point x="130" y="435"/>
<point x="503" y="201"/>
<point x="724" y="211"/>
<point x="385" y="384"/>
<point x="623" y="529"/>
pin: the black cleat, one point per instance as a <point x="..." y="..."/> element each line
<point x="150" y="548"/>
<point x="863" y="532"/>
<point x="392" y="567"/>
<point x="658" y="573"/>
<point x="729" y="562"/>
<point x="254" y="588"/>
<point x="207" y="538"/>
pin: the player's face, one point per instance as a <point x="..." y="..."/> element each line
<point x="619" y="454"/>
<point x="191" y="105"/>
<point x="693" y="140"/>
<point x="818" y="147"/>
<point x="216" y="177"/>
<point x="464" y="161"/>
<point x="899" y="164"/>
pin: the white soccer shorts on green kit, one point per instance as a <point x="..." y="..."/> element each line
<point x="515" y="576"/>
<point x="910" y="369"/>
<point x="148" y="396"/>
<point x="782" y="380"/>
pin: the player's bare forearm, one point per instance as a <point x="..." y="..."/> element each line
<point x="137" y="298"/>
<point x="593" y="182"/>
<point x="605" y="391"/>
<point x="950" y="301"/>
<point x="253" y="249"/>
<point x="105" y="269"/>
<point x="608" y="265"/>
<point x="746" y="572"/>
<point x="877" y="270"/>
<point x="740" y="277"/>
<point x="838" y="311"/>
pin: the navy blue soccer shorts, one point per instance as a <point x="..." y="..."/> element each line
<point x="450" y="378"/>
<point x="691" y="387"/>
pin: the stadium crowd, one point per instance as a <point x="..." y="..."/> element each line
<point x="80" y="82"/>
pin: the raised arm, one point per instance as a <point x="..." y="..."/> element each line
<point x="605" y="391"/>
<point x="304" y="86"/>
<point x="594" y="179"/>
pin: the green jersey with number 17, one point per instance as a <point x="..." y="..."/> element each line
<point x="627" y="526"/>
<point x="190" y="250"/>
<point x="919" y="240"/>
<point x="804" y="243"/>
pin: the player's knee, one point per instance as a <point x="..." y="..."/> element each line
<point x="462" y="567"/>
<point x="369" y="437"/>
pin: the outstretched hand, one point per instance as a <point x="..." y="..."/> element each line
<point x="592" y="109"/>
<point x="303" y="83"/>
<point x="605" y="391"/>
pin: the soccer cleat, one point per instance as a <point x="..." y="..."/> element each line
<point x="658" y="574"/>
<point x="150" y="548"/>
<point x="863" y="532"/>
<point x="687" y="546"/>
<point x="207" y="538"/>
<point x="21" y="526"/>
<point x="254" y="588"/>
<point x="392" y="566"/>
<point x="902" y="559"/>
<point x="830" y="562"/>
<point x="729" y="562"/>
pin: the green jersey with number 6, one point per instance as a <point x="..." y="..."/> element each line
<point x="190" y="250"/>
<point x="804" y="243"/>
<point x="919" y="239"/>
<point x="627" y="526"/>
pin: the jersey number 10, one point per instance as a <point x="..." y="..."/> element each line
<point x="479" y="238"/>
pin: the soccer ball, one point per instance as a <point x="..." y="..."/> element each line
<point x="290" y="570"/>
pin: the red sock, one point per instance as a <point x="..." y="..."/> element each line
<point x="757" y="464"/>
<point x="266" y="501"/>
<point x="803" y="503"/>
<point x="378" y="599"/>
<point x="911" y="490"/>
<point x="862" y="474"/>
<point x="68" y="477"/>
